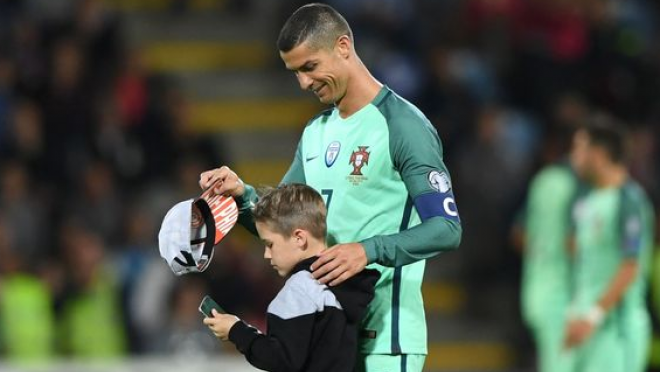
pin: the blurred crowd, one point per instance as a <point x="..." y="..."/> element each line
<point x="93" y="151"/>
<point x="94" y="148"/>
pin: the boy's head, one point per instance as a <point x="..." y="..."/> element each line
<point x="290" y="220"/>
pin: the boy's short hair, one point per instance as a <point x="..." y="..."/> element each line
<point x="318" y="24"/>
<point x="292" y="206"/>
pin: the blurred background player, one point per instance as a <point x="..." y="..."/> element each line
<point x="546" y="281"/>
<point x="609" y="326"/>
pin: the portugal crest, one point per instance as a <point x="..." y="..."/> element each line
<point x="359" y="159"/>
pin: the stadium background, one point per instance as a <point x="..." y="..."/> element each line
<point x="109" y="110"/>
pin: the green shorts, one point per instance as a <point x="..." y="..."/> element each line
<point x="390" y="363"/>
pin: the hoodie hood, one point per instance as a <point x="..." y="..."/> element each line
<point x="354" y="294"/>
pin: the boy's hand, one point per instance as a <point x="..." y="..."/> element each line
<point x="220" y="324"/>
<point x="339" y="263"/>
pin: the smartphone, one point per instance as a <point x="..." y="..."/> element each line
<point x="207" y="304"/>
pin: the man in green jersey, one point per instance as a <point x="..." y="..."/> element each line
<point x="609" y="326"/>
<point x="378" y="162"/>
<point x="545" y="292"/>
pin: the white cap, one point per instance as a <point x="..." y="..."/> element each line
<point x="192" y="228"/>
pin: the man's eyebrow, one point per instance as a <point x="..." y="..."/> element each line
<point x="305" y="65"/>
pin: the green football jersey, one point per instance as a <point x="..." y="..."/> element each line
<point x="546" y="269"/>
<point x="612" y="225"/>
<point x="382" y="175"/>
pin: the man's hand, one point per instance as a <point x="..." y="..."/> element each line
<point x="577" y="332"/>
<point x="339" y="263"/>
<point x="220" y="324"/>
<point x="229" y="185"/>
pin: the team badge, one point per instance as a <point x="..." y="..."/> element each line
<point x="439" y="181"/>
<point x="358" y="160"/>
<point x="331" y="153"/>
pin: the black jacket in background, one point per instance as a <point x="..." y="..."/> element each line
<point x="311" y="327"/>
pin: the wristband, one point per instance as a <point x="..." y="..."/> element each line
<point x="595" y="315"/>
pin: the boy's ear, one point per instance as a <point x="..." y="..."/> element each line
<point x="300" y="238"/>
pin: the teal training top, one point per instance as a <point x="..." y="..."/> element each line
<point x="385" y="184"/>
<point x="546" y="284"/>
<point x="612" y="225"/>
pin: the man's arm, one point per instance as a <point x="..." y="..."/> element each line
<point x="417" y="243"/>
<point x="245" y="203"/>
<point x="580" y="329"/>
<point x="632" y="222"/>
<point x="295" y="174"/>
<point x="416" y="153"/>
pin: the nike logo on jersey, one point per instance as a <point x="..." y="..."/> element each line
<point x="310" y="158"/>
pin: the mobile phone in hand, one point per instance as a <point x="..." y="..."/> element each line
<point x="207" y="305"/>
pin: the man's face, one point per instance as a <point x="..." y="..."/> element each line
<point x="587" y="158"/>
<point x="578" y="155"/>
<point x="282" y="251"/>
<point x="320" y="71"/>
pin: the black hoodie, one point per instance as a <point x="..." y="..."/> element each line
<point x="311" y="327"/>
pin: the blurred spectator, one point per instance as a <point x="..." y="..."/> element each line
<point x="117" y="144"/>
<point x="27" y="322"/>
<point x="168" y="138"/>
<point x="91" y="325"/>
<point x="184" y="335"/>
<point x="146" y="279"/>
<point x="25" y="141"/>
<point x="98" y="30"/>
<point x="488" y="183"/>
<point x="68" y="113"/>
<point x="22" y="212"/>
<point x="131" y="90"/>
<point x="97" y="202"/>
<point x="27" y="49"/>
<point x="7" y="81"/>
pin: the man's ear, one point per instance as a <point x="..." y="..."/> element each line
<point x="300" y="238"/>
<point x="343" y="46"/>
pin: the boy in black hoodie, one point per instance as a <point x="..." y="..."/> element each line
<point x="311" y="327"/>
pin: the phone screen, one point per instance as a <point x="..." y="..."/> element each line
<point x="207" y="304"/>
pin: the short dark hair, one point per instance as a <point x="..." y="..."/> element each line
<point x="605" y="132"/>
<point x="292" y="206"/>
<point x="319" y="24"/>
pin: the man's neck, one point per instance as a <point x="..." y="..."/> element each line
<point x="614" y="175"/>
<point x="361" y="90"/>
